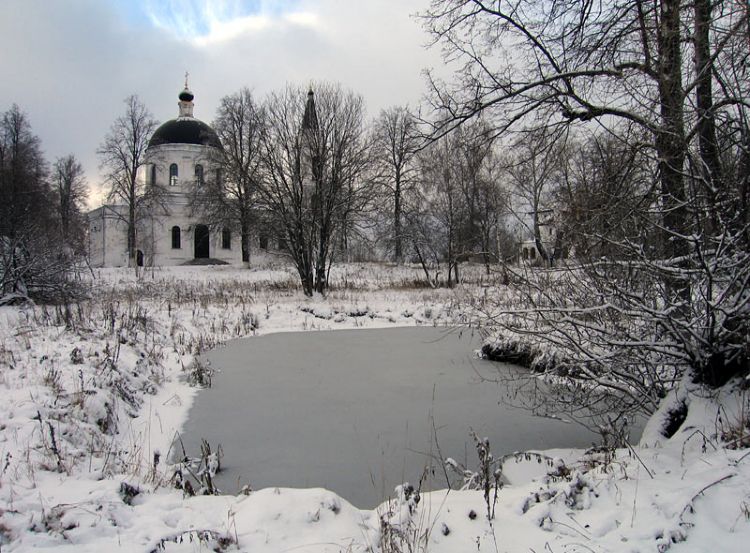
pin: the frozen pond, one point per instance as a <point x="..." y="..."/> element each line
<point x="354" y="410"/>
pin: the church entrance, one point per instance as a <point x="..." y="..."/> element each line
<point x="201" y="242"/>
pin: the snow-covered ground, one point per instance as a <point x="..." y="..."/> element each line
<point x="93" y="394"/>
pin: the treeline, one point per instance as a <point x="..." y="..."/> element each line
<point x="42" y="228"/>
<point x="308" y="173"/>
<point x="310" y="170"/>
<point x="631" y="122"/>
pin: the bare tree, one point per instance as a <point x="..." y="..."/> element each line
<point x="71" y="190"/>
<point x="604" y="190"/>
<point x="457" y="210"/>
<point x="30" y="262"/>
<point x="23" y="172"/>
<point x="396" y="146"/>
<point x="730" y="54"/>
<point x="229" y="198"/>
<point x="568" y="62"/>
<point x="477" y="179"/>
<point x="534" y="175"/>
<point x="443" y="202"/>
<point x="493" y="203"/>
<point x="122" y="154"/>
<point x="315" y="157"/>
<point x="668" y="296"/>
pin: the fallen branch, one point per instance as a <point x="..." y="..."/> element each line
<point x="701" y="491"/>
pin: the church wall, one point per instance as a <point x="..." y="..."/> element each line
<point x="163" y="254"/>
<point x="185" y="156"/>
<point x="107" y="237"/>
<point x="108" y="233"/>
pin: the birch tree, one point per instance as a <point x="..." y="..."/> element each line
<point x="122" y="154"/>
<point x="396" y="145"/>
<point x="229" y="197"/>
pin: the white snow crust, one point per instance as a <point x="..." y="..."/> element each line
<point x="93" y="394"/>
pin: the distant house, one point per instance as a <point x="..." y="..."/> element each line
<point x="551" y="240"/>
<point x="178" y="157"/>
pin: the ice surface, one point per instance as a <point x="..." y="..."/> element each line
<point x="352" y="410"/>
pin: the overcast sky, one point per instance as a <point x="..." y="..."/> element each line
<point x="70" y="63"/>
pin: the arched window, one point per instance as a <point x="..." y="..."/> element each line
<point x="226" y="239"/>
<point x="173" y="174"/>
<point x="153" y="175"/>
<point x="176" y="242"/>
<point x="199" y="173"/>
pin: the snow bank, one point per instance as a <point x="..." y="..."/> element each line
<point x="92" y="395"/>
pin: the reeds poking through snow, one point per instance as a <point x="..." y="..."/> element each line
<point x="209" y="539"/>
<point x="195" y="475"/>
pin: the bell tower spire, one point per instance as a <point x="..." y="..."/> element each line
<point x="310" y="117"/>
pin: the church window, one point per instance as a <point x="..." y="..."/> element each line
<point x="199" y="173"/>
<point x="226" y="239"/>
<point x="173" y="174"/>
<point x="176" y="245"/>
<point x="153" y="175"/>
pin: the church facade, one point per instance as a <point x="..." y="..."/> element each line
<point x="178" y="158"/>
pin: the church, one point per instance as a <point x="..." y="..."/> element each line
<point x="178" y="158"/>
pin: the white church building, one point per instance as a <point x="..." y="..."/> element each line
<point x="178" y="158"/>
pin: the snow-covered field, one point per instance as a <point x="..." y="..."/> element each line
<point x="93" y="394"/>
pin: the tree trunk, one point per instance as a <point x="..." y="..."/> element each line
<point x="397" y="243"/>
<point x="670" y="140"/>
<point x="321" y="280"/>
<point x="304" y="267"/>
<point x="538" y="242"/>
<point x="307" y="281"/>
<point x="132" y="256"/>
<point x="245" y="237"/>
<point x="422" y="262"/>
<point x="709" y="150"/>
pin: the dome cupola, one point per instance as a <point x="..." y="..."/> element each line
<point x="186" y="95"/>
<point x="185" y="129"/>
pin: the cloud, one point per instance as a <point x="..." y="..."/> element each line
<point x="302" y="19"/>
<point x="70" y="64"/>
<point x="189" y="19"/>
<point x="220" y="31"/>
<point x="207" y="22"/>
